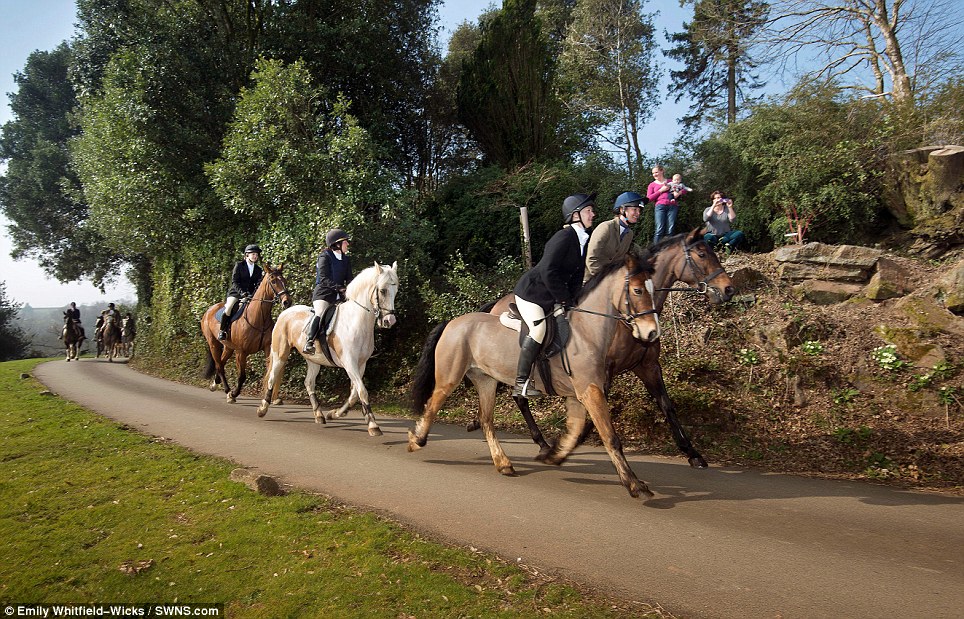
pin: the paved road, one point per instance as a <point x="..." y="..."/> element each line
<point x="722" y="542"/>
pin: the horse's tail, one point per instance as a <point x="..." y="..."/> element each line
<point x="209" y="367"/>
<point x="425" y="373"/>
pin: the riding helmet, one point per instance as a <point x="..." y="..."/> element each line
<point x="252" y="248"/>
<point x="628" y="198"/>
<point x="575" y="203"/>
<point x="335" y="236"/>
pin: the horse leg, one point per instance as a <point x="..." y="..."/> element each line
<point x="534" y="431"/>
<point x="418" y="437"/>
<point x="226" y="354"/>
<point x="651" y="373"/>
<point x="241" y="359"/>
<point x="272" y="377"/>
<point x="486" y="387"/>
<point x="310" y="377"/>
<point x="360" y="392"/>
<point x="575" y="420"/>
<point x="594" y="400"/>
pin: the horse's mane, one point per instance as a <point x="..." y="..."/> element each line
<point x="644" y="263"/>
<point x="366" y="277"/>
<point x="666" y="241"/>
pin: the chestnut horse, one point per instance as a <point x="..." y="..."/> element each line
<point x="111" y="337"/>
<point x="477" y="345"/>
<point x="370" y="303"/>
<point x="686" y="258"/>
<point x="249" y="333"/>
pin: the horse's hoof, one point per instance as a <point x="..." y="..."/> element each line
<point x="374" y="431"/>
<point x="554" y="459"/>
<point x="697" y="462"/>
<point x="544" y="454"/>
<point x="338" y="414"/>
<point x="230" y="399"/>
<point x="413" y="443"/>
<point x="278" y="402"/>
<point x="320" y="419"/>
<point x="473" y="425"/>
<point x="262" y="411"/>
<point x="508" y="471"/>
<point x="213" y="387"/>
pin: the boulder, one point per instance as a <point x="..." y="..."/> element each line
<point x="912" y="346"/>
<point x="889" y="281"/>
<point x="826" y="293"/>
<point x="800" y="271"/>
<point x="262" y="484"/>
<point x="951" y="289"/>
<point x="930" y="317"/>
<point x="835" y="255"/>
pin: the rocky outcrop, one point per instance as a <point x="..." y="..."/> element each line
<point x="950" y="289"/>
<point x="925" y="193"/>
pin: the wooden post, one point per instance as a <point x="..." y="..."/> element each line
<point x="526" y="247"/>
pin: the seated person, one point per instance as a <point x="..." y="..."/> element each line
<point x="718" y="217"/>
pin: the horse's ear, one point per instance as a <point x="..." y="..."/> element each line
<point x="395" y="266"/>
<point x="695" y="235"/>
<point x="378" y="268"/>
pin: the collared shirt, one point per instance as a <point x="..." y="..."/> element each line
<point x="250" y="268"/>
<point x="582" y="235"/>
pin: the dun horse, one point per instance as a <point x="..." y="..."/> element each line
<point x="249" y="333"/>
<point x="73" y="337"/>
<point x="683" y="257"/>
<point x="370" y="302"/>
<point x="478" y="346"/>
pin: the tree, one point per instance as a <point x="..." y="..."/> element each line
<point x="715" y="50"/>
<point x="887" y="48"/>
<point x="607" y="61"/>
<point x="13" y="344"/>
<point x="505" y="97"/>
<point x="40" y="192"/>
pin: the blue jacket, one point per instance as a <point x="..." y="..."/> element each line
<point x="331" y="277"/>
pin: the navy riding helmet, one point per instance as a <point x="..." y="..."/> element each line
<point x="628" y="198"/>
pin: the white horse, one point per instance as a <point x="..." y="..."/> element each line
<point x="370" y="302"/>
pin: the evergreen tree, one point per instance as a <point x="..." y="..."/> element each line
<point x="13" y="344"/>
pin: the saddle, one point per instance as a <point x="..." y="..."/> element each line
<point x="557" y="337"/>
<point x="326" y="327"/>
<point x="238" y="311"/>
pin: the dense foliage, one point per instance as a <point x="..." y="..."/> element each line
<point x="13" y="344"/>
<point x="166" y="136"/>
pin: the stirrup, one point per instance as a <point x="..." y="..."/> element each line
<point x="527" y="390"/>
<point x="222" y="335"/>
<point x="309" y="348"/>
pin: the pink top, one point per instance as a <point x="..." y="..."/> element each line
<point x="655" y="197"/>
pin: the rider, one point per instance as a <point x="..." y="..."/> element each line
<point x="99" y="325"/>
<point x="611" y="240"/>
<point x="553" y="283"/>
<point x="73" y="313"/>
<point x="332" y="274"/>
<point x="244" y="281"/>
<point x="129" y="322"/>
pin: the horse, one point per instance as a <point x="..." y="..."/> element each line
<point x="370" y="303"/>
<point x="477" y="345"/>
<point x="683" y="257"/>
<point x="249" y="333"/>
<point x="111" y="337"/>
<point x="127" y="337"/>
<point x="73" y="337"/>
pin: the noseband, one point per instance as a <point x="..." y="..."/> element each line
<point x="376" y="309"/>
<point x="629" y="316"/>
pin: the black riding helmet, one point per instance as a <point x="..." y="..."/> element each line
<point x="335" y="236"/>
<point x="252" y="248"/>
<point x="575" y="203"/>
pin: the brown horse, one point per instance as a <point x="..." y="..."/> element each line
<point x="110" y="337"/>
<point x="477" y="345"/>
<point x="249" y="333"/>
<point x="73" y="337"/>
<point x="683" y="257"/>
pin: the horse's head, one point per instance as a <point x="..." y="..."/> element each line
<point x="276" y="286"/>
<point x="699" y="266"/>
<point x="635" y="299"/>
<point x="383" y="298"/>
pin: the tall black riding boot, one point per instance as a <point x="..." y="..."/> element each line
<point x="225" y="326"/>
<point x="312" y="334"/>
<point x="527" y="358"/>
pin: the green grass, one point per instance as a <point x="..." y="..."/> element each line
<point x="81" y="497"/>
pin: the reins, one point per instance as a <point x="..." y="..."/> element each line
<point x="703" y="286"/>
<point x="267" y="324"/>
<point x="627" y="318"/>
<point x="376" y="309"/>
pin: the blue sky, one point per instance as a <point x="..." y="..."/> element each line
<point x="29" y="25"/>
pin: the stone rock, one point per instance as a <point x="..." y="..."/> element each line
<point x="945" y="170"/>
<point x="744" y="278"/>
<point x="826" y="293"/>
<point x="911" y="346"/>
<point x="771" y="337"/>
<point x="891" y="280"/>
<point x="262" y="484"/>
<point x="24" y="375"/>
<point x="951" y="289"/>
<point x="801" y="271"/>
<point x="836" y="255"/>
<point x="930" y="317"/>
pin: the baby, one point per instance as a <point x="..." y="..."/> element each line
<point x="677" y="187"/>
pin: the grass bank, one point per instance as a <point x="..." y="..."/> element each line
<point x="91" y="512"/>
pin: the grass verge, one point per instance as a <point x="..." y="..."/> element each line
<point x="93" y="513"/>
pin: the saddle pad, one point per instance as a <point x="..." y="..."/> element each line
<point x="238" y="311"/>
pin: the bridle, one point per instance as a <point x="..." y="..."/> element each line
<point x="277" y="293"/>
<point x="376" y="308"/>
<point x="703" y="286"/>
<point x="628" y="317"/>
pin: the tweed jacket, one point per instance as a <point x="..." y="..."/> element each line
<point x="605" y="246"/>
